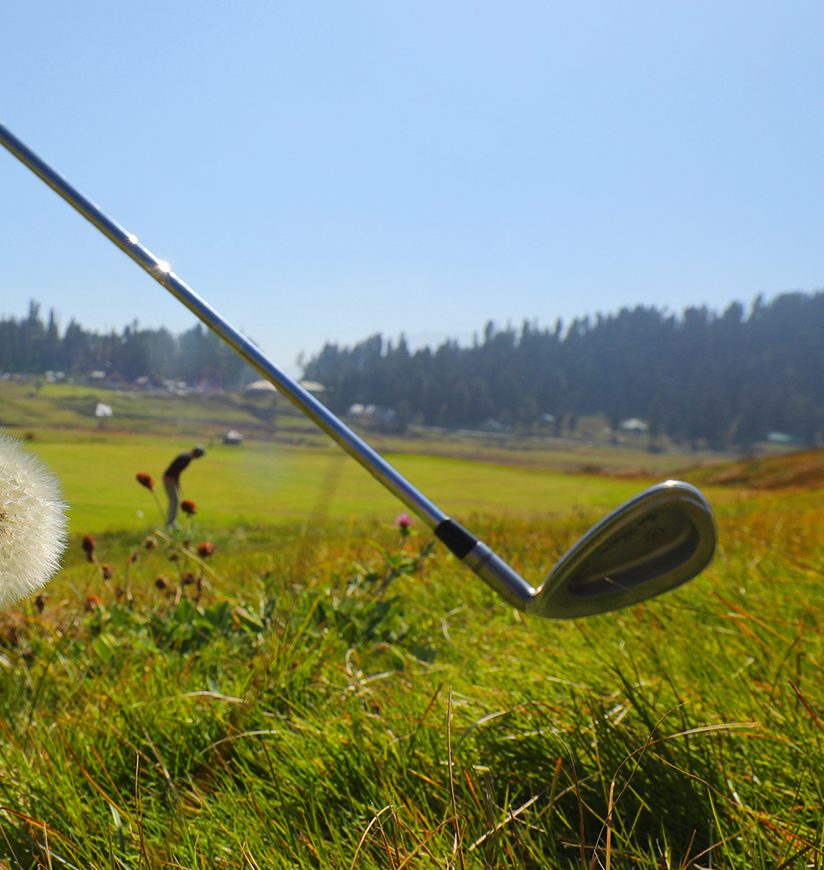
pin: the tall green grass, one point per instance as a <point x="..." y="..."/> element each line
<point x="336" y="695"/>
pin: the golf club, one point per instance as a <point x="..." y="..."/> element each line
<point x="656" y="541"/>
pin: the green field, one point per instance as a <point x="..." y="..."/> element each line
<point x="274" y="482"/>
<point x="322" y="692"/>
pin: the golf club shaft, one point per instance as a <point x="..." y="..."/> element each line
<point x="486" y="564"/>
<point x="160" y="271"/>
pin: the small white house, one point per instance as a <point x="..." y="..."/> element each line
<point x="633" y="424"/>
<point x="261" y="386"/>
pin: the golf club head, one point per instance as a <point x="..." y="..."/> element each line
<point x="649" y="545"/>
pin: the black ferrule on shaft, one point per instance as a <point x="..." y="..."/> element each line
<point x="455" y="536"/>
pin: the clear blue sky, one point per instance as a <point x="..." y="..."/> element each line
<point x="323" y="171"/>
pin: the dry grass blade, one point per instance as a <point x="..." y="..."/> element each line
<point x="456" y="847"/>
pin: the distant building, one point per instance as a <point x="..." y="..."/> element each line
<point x="784" y="438"/>
<point x="377" y="413"/>
<point x="261" y="386"/>
<point x="378" y="417"/>
<point x="492" y="425"/>
<point x="312" y="386"/>
<point x="264" y="386"/>
<point x="633" y="424"/>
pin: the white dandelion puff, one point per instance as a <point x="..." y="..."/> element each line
<point x="32" y="522"/>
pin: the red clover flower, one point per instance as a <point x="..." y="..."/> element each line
<point x="145" y="480"/>
<point x="404" y="523"/>
<point x="205" y="549"/>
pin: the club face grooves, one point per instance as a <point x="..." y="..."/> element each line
<point x="659" y="544"/>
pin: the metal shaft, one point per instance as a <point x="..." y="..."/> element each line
<point x="162" y="273"/>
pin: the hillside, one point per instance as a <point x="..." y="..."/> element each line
<point x="50" y="412"/>
<point x="29" y="407"/>
<point x="801" y="470"/>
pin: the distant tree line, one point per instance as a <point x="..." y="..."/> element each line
<point x="724" y="379"/>
<point x="32" y="345"/>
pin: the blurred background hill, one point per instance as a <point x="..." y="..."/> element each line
<point x="701" y="379"/>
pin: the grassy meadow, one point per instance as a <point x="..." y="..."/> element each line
<point x="323" y="691"/>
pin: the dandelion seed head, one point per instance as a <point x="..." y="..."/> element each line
<point x="32" y="522"/>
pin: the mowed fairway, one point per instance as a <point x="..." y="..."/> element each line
<point x="324" y="692"/>
<point x="276" y="483"/>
